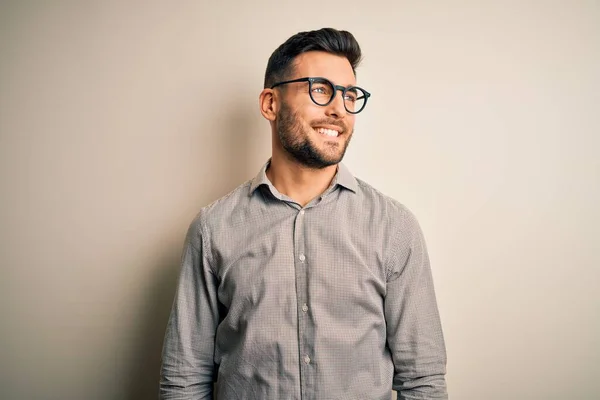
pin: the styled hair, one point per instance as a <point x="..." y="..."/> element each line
<point x="340" y="43"/>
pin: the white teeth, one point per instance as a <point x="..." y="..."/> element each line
<point x="328" y="132"/>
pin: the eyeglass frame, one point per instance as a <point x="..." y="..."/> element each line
<point x="335" y="87"/>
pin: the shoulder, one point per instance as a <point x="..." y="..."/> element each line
<point x="395" y="215"/>
<point x="373" y="197"/>
<point x="212" y="214"/>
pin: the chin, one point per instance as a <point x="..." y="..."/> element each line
<point x="329" y="161"/>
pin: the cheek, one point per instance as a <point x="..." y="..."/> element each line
<point x="314" y="113"/>
<point x="350" y="119"/>
<point x="308" y="115"/>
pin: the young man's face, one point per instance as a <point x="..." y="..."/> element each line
<point x="315" y="136"/>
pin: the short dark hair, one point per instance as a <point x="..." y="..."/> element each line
<point x="341" y="43"/>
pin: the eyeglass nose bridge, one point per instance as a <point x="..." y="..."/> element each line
<point x="341" y="89"/>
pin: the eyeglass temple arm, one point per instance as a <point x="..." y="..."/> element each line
<point x="292" y="81"/>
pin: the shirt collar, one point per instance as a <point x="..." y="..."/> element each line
<point x="343" y="177"/>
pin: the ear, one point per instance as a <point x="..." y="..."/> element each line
<point x="268" y="104"/>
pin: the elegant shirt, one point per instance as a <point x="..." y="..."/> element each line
<point x="334" y="300"/>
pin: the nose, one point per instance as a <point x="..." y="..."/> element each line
<point x="336" y="108"/>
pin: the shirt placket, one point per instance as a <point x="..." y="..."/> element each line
<point x="305" y="342"/>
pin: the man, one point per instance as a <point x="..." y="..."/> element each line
<point x="305" y="282"/>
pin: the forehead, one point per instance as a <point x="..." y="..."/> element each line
<point x="318" y="63"/>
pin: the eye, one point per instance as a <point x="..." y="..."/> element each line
<point x="322" y="88"/>
<point x="351" y="95"/>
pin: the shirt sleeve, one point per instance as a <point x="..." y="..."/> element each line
<point x="414" y="332"/>
<point x="187" y="370"/>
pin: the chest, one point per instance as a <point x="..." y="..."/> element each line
<point x="325" y="253"/>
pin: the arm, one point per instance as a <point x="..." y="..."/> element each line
<point x="187" y="369"/>
<point x="414" y="332"/>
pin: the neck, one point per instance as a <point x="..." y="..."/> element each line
<point x="297" y="181"/>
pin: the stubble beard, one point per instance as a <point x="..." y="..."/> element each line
<point x="297" y="143"/>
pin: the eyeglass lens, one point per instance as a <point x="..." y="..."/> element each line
<point x="322" y="92"/>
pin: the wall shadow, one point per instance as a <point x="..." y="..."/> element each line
<point x="232" y="163"/>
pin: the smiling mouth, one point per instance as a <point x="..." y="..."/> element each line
<point x="327" y="132"/>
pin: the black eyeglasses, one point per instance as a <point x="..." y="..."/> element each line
<point x="322" y="92"/>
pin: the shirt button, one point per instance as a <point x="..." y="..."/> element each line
<point x="306" y="359"/>
<point x="302" y="257"/>
<point x="302" y="212"/>
<point x="304" y="308"/>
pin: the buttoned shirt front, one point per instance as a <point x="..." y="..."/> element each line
<point x="333" y="300"/>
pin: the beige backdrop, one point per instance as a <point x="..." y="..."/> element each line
<point x="118" y="122"/>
